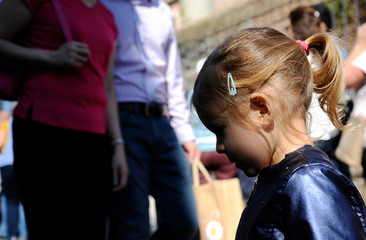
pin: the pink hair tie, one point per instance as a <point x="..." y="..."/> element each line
<point x="304" y="45"/>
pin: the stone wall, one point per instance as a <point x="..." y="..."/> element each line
<point x="198" y="41"/>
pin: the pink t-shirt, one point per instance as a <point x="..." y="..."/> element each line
<point x="72" y="98"/>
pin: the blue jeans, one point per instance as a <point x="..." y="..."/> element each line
<point x="12" y="209"/>
<point x="158" y="166"/>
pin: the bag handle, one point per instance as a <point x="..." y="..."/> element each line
<point x="62" y="19"/>
<point x="197" y="166"/>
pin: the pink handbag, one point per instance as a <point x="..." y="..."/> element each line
<point x="11" y="78"/>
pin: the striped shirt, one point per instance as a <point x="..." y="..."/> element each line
<point x="147" y="62"/>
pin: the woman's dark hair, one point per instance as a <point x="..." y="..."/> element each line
<point x="305" y="22"/>
<point x="324" y="14"/>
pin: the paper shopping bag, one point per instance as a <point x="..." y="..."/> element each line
<point x="220" y="204"/>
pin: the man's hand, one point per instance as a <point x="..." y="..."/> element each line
<point x="192" y="151"/>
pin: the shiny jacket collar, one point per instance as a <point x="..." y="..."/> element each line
<point x="295" y="199"/>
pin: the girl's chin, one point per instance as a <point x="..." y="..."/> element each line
<point x="249" y="172"/>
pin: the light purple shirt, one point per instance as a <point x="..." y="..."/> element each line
<point x="147" y="65"/>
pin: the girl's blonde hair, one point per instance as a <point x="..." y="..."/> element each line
<point x="264" y="59"/>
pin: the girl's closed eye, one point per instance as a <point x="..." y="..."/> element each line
<point x="215" y="125"/>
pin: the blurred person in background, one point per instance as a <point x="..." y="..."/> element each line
<point x="66" y="116"/>
<point x="13" y="221"/>
<point x="324" y="15"/>
<point x="355" y="71"/>
<point x="154" y="118"/>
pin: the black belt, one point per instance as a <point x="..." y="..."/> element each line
<point x="146" y="109"/>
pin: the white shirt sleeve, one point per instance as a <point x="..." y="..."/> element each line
<point x="360" y="61"/>
<point x="177" y="103"/>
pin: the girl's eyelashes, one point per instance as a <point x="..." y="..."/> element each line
<point x="217" y="126"/>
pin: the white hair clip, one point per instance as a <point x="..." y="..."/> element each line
<point x="232" y="90"/>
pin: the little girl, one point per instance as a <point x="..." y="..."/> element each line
<point x="254" y="93"/>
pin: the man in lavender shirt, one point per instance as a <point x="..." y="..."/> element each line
<point x="154" y="118"/>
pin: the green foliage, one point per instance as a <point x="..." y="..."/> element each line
<point x="343" y="7"/>
<point x="339" y="6"/>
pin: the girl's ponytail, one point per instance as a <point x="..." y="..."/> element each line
<point x="327" y="65"/>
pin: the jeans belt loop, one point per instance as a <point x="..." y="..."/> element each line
<point x="147" y="106"/>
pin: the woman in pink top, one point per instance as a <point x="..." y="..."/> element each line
<point x="66" y="117"/>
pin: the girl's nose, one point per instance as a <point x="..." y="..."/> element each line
<point x="220" y="148"/>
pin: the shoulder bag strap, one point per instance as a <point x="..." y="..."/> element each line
<point x="62" y="19"/>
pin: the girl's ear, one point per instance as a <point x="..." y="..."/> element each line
<point x="323" y="27"/>
<point x="260" y="110"/>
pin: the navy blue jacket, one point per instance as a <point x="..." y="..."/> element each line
<point x="303" y="197"/>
